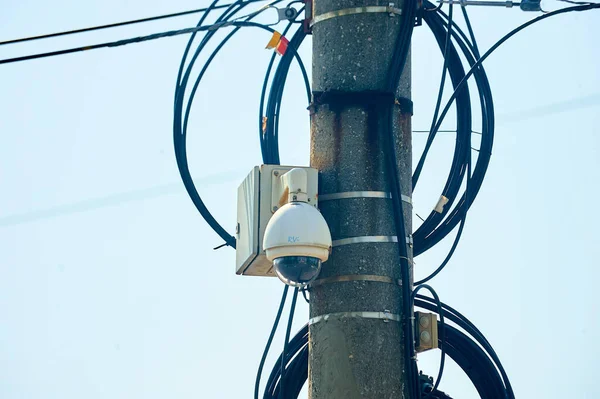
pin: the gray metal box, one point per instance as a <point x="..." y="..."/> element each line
<point x="259" y="196"/>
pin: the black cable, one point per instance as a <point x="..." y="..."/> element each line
<point x="399" y="57"/>
<point x="179" y="135"/>
<point x="577" y="2"/>
<point x="269" y="341"/>
<point x="297" y="360"/>
<point x="304" y="295"/>
<point x="475" y="66"/>
<point x="470" y="30"/>
<point x="473" y="359"/>
<point x="458" y="234"/>
<point x="285" y="344"/>
<point x="474" y="362"/>
<point x="433" y="234"/>
<point x="261" y="115"/>
<point x="180" y="126"/>
<point x="124" y="42"/>
<point x="438" y="103"/>
<point x="119" y="24"/>
<point x="475" y="51"/>
<point x="464" y="323"/>
<point x="271" y="136"/>
<point x="437" y="226"/>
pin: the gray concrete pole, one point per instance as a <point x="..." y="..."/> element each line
<point x="357" y="357"/>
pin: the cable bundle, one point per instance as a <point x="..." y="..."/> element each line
<point x="473" y="354"/>
<point x="471" y="351"/>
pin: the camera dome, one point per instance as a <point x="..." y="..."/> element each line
<point x="297" y="240"/>
<point x="297" y="271"/>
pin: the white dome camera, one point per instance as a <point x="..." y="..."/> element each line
<point x="297" y="239"/>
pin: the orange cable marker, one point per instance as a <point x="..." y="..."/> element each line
<point x="274" y="40"/>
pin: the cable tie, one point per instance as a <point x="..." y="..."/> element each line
<point x="439" y="207"/>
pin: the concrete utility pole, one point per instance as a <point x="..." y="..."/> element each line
<point x="357" y="351"/>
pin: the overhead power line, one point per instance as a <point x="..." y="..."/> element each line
<point x="123" y="23"/>
<point x="138" y="39"/>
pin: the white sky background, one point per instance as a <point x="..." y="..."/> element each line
<point x="109" y="287"/>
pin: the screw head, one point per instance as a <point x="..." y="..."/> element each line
<point x="276" y="173"/>
<point x="290" y="13"/>
<point x="274" y="208"/>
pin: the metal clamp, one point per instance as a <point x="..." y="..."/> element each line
<point x="361" y="194"/>
<point x="391" y="10"/>
<point x="386" y="316"/>
<point x="356" y="277"/>
<point x="288" y="13"/>
<point x="369" y="239"/>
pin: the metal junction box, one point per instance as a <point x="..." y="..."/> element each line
<point x="259" y="197"/>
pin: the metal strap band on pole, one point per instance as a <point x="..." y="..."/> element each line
<point x="367" y="239"/>
<point x="356" y="277"/>
<point x="361" y="194"/>
<point x="356" y="10"/>
<point x="386" y="316"/>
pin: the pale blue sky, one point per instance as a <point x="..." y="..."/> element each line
<point x="109" y="287"/>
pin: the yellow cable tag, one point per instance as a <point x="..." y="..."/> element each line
<point x="274" y="40"/>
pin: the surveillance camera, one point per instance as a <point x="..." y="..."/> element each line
<point x="297" y="240"/>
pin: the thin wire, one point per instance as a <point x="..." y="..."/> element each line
<point x="269" y="341"/>
<point x="443" y="131"/>
<point x="138" y="39"/>
<point x="118" y="24"/>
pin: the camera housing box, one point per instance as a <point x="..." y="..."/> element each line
<point x="260" y="195"/>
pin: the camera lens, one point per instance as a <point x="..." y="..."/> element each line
<point x="297" y="271"/>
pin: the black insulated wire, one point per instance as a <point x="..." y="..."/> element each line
<point x="180" y="121"/>
<point x="120" y="24"/>
<point x="288" y="330"/>
<point x="464" y="323"/>
<point x="269" y="342"/>
<point x="399" y="59"/>
<point x="467" y="351"/>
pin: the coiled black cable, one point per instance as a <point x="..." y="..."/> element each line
<point x="473" y="359"/>
<point x="181" y="117"/>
